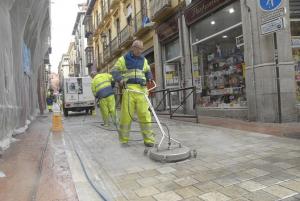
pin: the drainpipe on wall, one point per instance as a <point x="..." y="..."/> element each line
<point x="182" y="55"/>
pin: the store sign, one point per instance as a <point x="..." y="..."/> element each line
<point x="269" y="5"/>
<point x="202" y="8"/>
<point x="273" y="15"/>
<point x="272" y="26"/>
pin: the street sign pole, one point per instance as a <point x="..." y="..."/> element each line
<point x="277" y="77"/>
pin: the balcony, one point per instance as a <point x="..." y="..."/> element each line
<point x="160" y="9"/>
<point x="114" y="45"/>
<point x="89" y="55"/>
<point x="139" y="24"/>
<point x="126" y="36"/>
<point x="88" y="28"/>
<point x="106" y="54"/>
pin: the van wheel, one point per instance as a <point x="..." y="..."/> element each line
<point x="66" y="112"/>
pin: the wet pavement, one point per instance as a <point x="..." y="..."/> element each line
<point x="35" y="167"/>
<point x="230" y="164"/>
<point x="87" y="163"/>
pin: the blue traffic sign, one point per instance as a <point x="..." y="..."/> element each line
<point x="269" y="5"/>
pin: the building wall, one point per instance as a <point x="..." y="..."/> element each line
<point x="261" y="87"/>
<point x="21" y="22"/>
<point x="261" y="79"/>
<point x="108" y="22"/>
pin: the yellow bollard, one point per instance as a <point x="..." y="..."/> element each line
<point x="57" y="125"/>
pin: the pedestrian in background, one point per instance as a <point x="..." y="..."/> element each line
<point x="133" y="71"/>
<point x="50" y="99"/>
<point x="102" y="88"/>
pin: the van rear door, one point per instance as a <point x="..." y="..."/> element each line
<point x="71" y="90"/>
<point x="86" y="91"/>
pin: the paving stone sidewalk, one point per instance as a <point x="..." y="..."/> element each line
<point x="230" y="165"/>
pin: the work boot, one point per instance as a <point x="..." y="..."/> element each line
<point x="149" y="144"/>
<point x="105" y="125"/>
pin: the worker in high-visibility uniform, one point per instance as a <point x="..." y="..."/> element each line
<point x="133" y="71"/>
<point x="102" y="88"/>
<point x="50" y="99"/>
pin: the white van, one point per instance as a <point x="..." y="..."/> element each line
<point x="78" y="95"/>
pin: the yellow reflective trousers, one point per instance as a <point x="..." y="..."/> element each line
<point x="132" y="102"/>
<point x="108" y="109"/>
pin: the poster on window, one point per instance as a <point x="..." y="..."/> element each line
<point x="296" y="56"/>
<point x="196" y="74"/>
<point x="171" y="75"/>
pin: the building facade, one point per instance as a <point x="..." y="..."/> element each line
<point x="111" y="27"/>
<point x="221" y="47"/>
<point x="218" y="46"/>
<point x="64" y="69"/>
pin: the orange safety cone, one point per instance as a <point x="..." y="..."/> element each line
<point x="57" y="125"/>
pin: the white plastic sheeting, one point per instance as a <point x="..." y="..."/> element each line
<point x="21" y="22"/>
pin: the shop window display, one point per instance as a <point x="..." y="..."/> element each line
<point x="295" y="30"/>
<point x="221" y="64"/>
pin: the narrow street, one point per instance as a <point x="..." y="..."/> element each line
<point x="230" y="165"/>
<point x="223" y="76"/>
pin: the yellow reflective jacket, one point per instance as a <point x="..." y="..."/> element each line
<point x="131" y="69"/>
<point x="102" y="85"/>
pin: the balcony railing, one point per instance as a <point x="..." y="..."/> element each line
<point x="89" y="55"/>
<point x="157" y="6"/>
<point x="139" y="23"/>
<point x="125" y="34"/>
<point x="106" y="53"/>
<point x="114" y="45"/>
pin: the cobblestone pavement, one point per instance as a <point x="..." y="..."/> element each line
<point x="230" y="165"/>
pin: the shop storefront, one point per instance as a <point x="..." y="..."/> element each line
<point x="217" y="50"/>
<point x="295" y="32"/>
<point x="168" y="35"/>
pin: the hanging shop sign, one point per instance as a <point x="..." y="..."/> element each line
<point x="269" y="5"/>
<point x="200" y="9"/>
